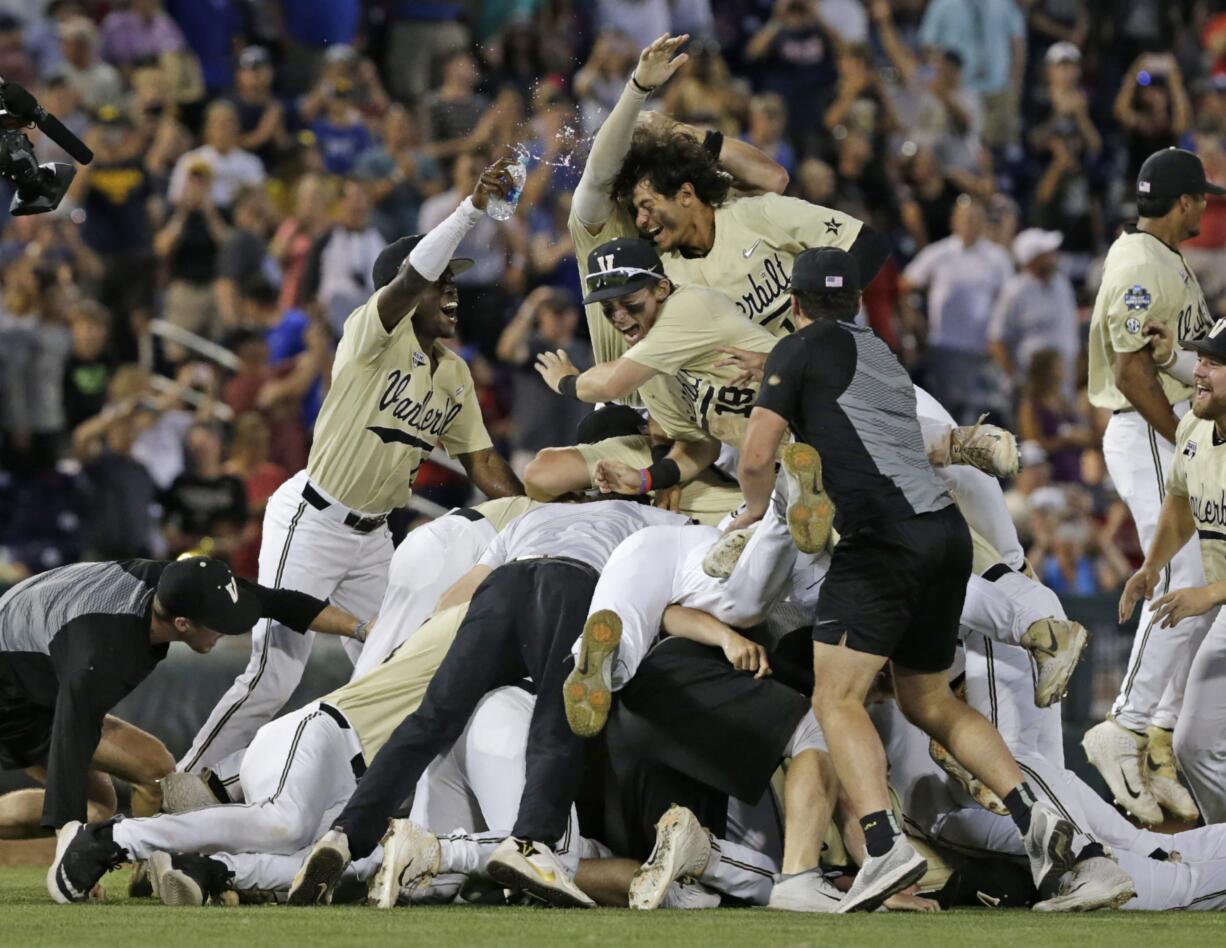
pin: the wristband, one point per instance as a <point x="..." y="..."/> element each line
<point x="644" y="481"/>
<point x="664" y="473"/>
<point x="1172" y="360"/>
<point x="713" y="143"/>
<point x="645" y="90"/>
<point x="568" y="385"/>
<point x="361" y="630"/>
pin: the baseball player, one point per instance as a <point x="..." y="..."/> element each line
<point x="1195" y="507"/>
<point x="1147" y="280"/>
<point x="532" y="588"/>
<point x="426" y="564"/>
<point x="397" y="392"/>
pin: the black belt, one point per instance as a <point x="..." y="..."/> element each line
<point x="1123" y="411"/>
<point x="357" y="763"/>
<point x="359" y="523"/>
<point x="468" y="513"/>
<point x="996" y="571"/>
<point x="565" y="561"/>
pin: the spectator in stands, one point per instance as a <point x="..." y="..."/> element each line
<point x="231" y="166"/>
<point x="962" y="275"/>
<point x="859" y="102"/>
<point x="244" y="254"/>
<point x="338" y="272"/>
<point x="89" y="367"/>
<point x="189" y="243"/>
<point x="927" y="198"/>
<point x="641" y="20"/>
<point x="213" y="30"/>
<point x="1046" y="416"/>
<point x="1151" y="107"/>
<point x="545" y="321"/>
<point x="551" y="251"/>
<point x="251" y="463"/>
<point x="144" y="31"/>
<point x="344" y="67"/>
<point x="339" y="130"/>
<point x="261" y="116"/>
<point x="420" y="37"/>
<point x="990" y="37"/>
<point x="399" y="174"/>
<point x="1036" y="310"/>
<point x="454" y="109"/>
<point x="599" y="83"/>
<point x="293" y="240"/>
<point x="704" y="92"/>
<point x="61" y="98"/>
<point x="205" y="509"/>
<point x="768" y="121"/>
<point x="1051" y="22"/>
<point x="98" y="83"/>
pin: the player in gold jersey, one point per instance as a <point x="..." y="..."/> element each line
<point x="397" y="392"/>
<point x="1146" y="281"/>
<point x="1195" y="506"/>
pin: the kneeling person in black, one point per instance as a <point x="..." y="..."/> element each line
<point x="897" y="578"/>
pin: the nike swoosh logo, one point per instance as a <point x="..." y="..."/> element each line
<point x="549" y="877"/>
<point x="1129" y="785"/>
<point x="752" y="247"/>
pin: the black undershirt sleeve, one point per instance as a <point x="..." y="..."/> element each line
<point x="871" y="250"/>
<point x="783" y="378"/>
<point x="291" y="608"/>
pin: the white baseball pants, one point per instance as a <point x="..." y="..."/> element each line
<point x="1139" y="460"/>
<point x="312" y="551"/>
<point x="1200" y="735"/>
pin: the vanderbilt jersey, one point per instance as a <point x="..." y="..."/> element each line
<point x="386" y="411"/>
<point x="1199" y="473"/>
<point x="607" y="343"/>
<point x="1144" y="280"/>
<point x="756" y="240"/>
<point x="684" y="342"/>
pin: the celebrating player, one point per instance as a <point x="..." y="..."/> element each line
<point x="397" y="392"/>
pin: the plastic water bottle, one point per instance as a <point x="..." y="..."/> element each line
<point x="503" y="209"/>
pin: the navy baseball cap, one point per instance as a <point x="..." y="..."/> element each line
<point x="621" y="267"/>
<point x="1173" y="172"/>
<point x="204" y="590"/>
<point x="1212" y="345"/>
<point x="825" y="270"/>
<point x="387" y="264"/>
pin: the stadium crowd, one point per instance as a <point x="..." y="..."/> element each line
<point x="254" y="156"/>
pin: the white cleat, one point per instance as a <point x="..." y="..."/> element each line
<point x="1163" y="777"/>
<point x="1056" y="645"/>
<point x="882" y="876"/>
<point x="722" y="558"/>
<point x="182" y="792"/>
<point x="684" y="894"/>
<point x="1119" y="755"/>
<point x="1049" y="846"/>
<point x="810" y="513"/>
<point x="317" y="879"/>
<point x="411" y="858"/>
<point x="805" y="892"/>
<point x="587" y="693"/>
<point x="1094" y="883"/>
<point x="523" y="865"/>
<point x="682" y="851"/>
<point x="989" y="448"/>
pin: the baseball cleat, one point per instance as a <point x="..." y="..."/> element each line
<point x="721" y="559"/>
<point x="183" y="792"/>
<point x="1163" y="777"/>
<point x="810" y="512"/>
<point x="882" y="876"/>
<point x="534" y="869"/>
<point x="1049" y="846"/>
<point x="411" y="857"/>
<point x="975" y="788"/>
<point x="588" y="690"/>
<point x="317" y="879"/>
<point x="1094" y="883"/>
<point x="1057" y="646"/>
<point x="682" y="851"/>
<point x="805" y="892"/>
<point x="989" y="448"/>
<point x="1118" y="754"/>
<point x="83" y="855"/>
<point x="684" y="894"/>
<point x="190" y="879"/>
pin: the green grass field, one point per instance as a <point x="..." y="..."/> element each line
<point x="27" y="917"/>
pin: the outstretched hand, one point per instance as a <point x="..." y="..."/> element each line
<point x="496" y="181"/>
<point x="657" y="63"/>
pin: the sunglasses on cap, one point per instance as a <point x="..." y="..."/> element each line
<point x="619" y="276"/>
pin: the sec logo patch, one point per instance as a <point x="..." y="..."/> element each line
<point x="1132" y="324"/>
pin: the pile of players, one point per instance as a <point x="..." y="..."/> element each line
<point x="586" y="699"/>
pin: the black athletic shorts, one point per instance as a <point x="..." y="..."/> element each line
<point x="897" y="590"/>
<point x="25" y="736"/>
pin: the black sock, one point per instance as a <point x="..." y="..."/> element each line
<point x="880" y="831"/>
<point x="1019" y="800"/>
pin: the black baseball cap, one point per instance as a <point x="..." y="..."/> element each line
<point x="621" y="267"/>
<point x="387" y="264"/>
<point x="825" y="269"/>
<point x="611" y="421"/>
<point x="1172" y="172"/>
<point x="204" y="590"/>
<point x="1212" y="345"/>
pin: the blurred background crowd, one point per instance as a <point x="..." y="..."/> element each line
<point x="166" y="336"/>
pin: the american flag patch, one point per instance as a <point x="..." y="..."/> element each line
<point x="834" y="282"/>
<point x="1143" y="187"/>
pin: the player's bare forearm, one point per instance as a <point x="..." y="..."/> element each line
<point x="491" y="474"/>
<point x="1137" y="380"/>
<point x="401" y="296"/>
<point x="1176" y="527"/>
<point x="611" y="380"/>
<point x="462" y="589"/>
<point x="694" y="457"/>
<point x="334" y="621"/>
<point x="695" y="625"/>
<point x="756" y="472"/>
<point x="753" y="168"/>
